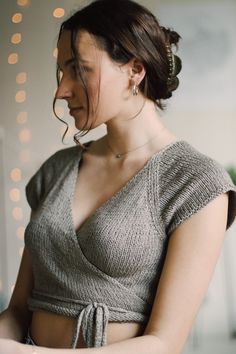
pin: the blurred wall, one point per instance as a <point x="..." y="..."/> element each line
<point x="202" y="112"/>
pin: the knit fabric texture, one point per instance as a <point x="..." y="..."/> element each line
<point x="110" y="268"/>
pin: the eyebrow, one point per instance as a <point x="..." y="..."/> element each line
<point x="83" y="60"/>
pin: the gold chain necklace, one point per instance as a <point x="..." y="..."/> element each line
<point x="119" y="155"/>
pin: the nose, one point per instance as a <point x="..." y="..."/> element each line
<point x="63" y="91"/>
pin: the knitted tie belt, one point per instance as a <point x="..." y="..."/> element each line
<point x="92" y="320"/>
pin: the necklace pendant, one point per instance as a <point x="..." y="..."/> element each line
<point x="118" y="156"/>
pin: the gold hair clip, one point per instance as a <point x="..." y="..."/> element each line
<point x="171" y="61"/>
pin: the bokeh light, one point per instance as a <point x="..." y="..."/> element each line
<point x="16" y="175"/>
<point x="22" y="117"/>
<point x="71" y="131"/>
<point x="58" y="12"/>
<point x="25" y="136"/>
<point x="16" y="38"/>
<point x="20" y="233"/>
<point x="60" y="111"/>
<point x="21" y="250"/>
<point x="23" y="2"/>
<point x="17" y="213"/>
<point x="25" y="155"/>
<point x="12" y="288"/>
<point x="13" y="58"/>
<point x="17" y="17"/>
<point x="14" y="195"/>
<point x="55" y="52"/>
<point x="21" y="78"/>
<point x="20" y="96"/>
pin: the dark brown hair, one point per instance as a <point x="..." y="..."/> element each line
<point x="127" y="30"/>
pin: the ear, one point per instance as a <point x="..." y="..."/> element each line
<point x="137" y="71"/>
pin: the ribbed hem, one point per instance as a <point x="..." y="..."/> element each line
<point x="72" y="308"/>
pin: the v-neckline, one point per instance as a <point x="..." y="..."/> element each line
<point x="116" y="194"/>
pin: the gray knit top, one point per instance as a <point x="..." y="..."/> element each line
<point x="109" y="270"/>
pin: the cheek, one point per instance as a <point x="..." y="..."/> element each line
<point x="111" y="94"/>
<point x="93" y="93"/>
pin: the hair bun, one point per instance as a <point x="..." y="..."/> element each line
<point x="171" y="37"/>
<point x="178" y="65"/>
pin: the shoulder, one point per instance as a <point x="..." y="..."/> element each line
<point x="188" y="180"/>
<point x="42" y="180"/>
<point x="183" y="157"/>
<point x="63" y="156"/>
<point x="57" y="162"/>
<point x="183" y="163"/>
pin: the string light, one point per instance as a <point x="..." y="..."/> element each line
<point x="13" y="58"/>
<point x="16" y="38"/>
<point x="25" y="136"/>
<point x="17" y="213"/>
<point x="23" y="3"/>
<point x="14" y="195"/>
<point x="17" y="17"/>
<point x="21" y="250"/>
<point x="12" y="288"/>
<point x="55" y="52"/>
<point x="20" y="233"/>
<point x="20" y="96"/>
<point x="59" y="12"/>
<point x="60" y="111"/>
<point x="21" y="78"/>
<point x="16" y="175"/>
<point x="22" y="117"/>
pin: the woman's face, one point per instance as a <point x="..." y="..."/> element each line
<point x="107" y="97"/>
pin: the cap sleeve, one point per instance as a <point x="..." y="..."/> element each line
<point x="39" y="183"/>
<point x="191" y="182"/>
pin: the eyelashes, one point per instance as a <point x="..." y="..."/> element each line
<point x="79" y="71"/>
<point x="60" y="74"/>
<point x="75" y="72"/>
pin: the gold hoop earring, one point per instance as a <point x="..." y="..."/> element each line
<point x="135" y="90"/>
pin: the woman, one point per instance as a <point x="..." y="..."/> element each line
<point x="126" y="230"/>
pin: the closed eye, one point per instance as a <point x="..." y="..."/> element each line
<point x="59" y="75"/>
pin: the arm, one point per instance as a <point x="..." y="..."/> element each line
<point x="15" y="319"/>
<point x="193" y="250"/>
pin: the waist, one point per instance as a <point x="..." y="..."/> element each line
<point x="73" y="307"/>
<point x="90" y="318"/>
<point x="56" y="331"/>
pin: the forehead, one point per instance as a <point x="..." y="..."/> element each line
<point x="87" y="49"/>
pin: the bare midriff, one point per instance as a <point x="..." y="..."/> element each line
<point x="56" y="331"/>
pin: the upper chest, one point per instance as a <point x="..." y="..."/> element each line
<point x="95" y="186"/>
<point x="121" y="228"/>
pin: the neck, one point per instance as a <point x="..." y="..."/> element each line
<point x="127" y="134"/>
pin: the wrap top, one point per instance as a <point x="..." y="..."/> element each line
<point x="110" y="268"/>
